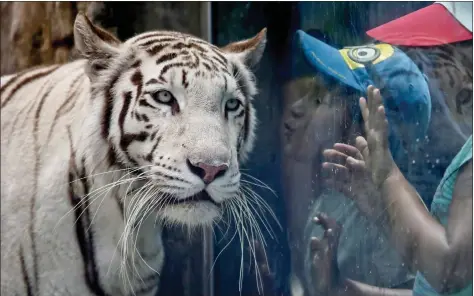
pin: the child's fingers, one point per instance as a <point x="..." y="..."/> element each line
<point x="371" y="101"/>
<point x="362" y="146"/>
<point x="349" y="150"/>
<point x="315" y="245"/>
<point x="335" y="156"/>
<point x="323" y="220"/>
<point x="378" y="101"/>
<point x="355" y="165"/>
<point x="382" y="122"/>
<point x="379" y="114"/>
<point x="364" y="109"/>
<point x="333" y="238"/>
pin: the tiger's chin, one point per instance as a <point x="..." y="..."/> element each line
<point x="197" y="210"/>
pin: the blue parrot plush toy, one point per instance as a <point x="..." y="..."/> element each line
<point x="403" y="87"/>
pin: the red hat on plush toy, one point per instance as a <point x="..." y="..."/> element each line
<point x="439" y="23"/>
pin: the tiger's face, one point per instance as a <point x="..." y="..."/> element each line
<point x="178" y="114"/>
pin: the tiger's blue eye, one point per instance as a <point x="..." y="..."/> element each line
<point x="232" y="105"/>
<point x="163" y="96"/>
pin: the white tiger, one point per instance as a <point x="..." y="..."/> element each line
<point x="96" y="150"/>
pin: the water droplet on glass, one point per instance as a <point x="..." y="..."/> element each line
<point x="437" y="160"/>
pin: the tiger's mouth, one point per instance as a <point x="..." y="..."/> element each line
<point x="202" y="196"/>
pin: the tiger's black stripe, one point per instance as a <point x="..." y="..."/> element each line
<point x="241" y="84"/>
<point x="144" y="103"/>
<point x="92" y="271"/>
<point x="26" y="278"/>
<point x="107" y="111"/>
<point x="241" y="113"/>
<point x="153" y="41"/>
<point x="159" y="34"/>
<point x="225" y="83"/>
<point x="62" y="109"/>
<point x="85" y="243"/>
<point x="136" y="64"/>
<point x="25" y="118"/>
<point x="184" y="80"/>
<point x="246" y="126"/>
<point x="166" y="57"/>
<point x="137" y="80"/>
<point x="191" y="65"/>
<point x="35" y="187"/>
<point x="13" y="80"/>
<point x="22" y="83"/>
<point x="244" y="88"/>
<point x="220" y="58"/>
<point x="127" y="98"/>
<point x="126" y="139"/>
<point x="189" y="45"/>
<point x="82" y="218"/>
<point x="149" y="157"/>
<point x="152" y="81"/>
<point x="157" y="48"/>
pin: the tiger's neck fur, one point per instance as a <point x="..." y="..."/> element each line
<point x="64" y="138"/>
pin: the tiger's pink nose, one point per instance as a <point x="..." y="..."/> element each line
<point x="207" y="172"/>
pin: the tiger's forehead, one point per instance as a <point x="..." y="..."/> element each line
<point x="172" y="58"/>
<point x="155" y="41"/>
<point x="170" y="50"/>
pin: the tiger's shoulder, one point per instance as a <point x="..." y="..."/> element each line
<point x="33" y="80"/>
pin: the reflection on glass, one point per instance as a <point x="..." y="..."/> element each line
<point x="425" y="83"/>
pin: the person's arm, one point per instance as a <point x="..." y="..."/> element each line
<point x="443" y="256"/>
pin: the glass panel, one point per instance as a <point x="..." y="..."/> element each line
<point x="310" y="88"/>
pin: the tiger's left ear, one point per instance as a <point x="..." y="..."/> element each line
<point x="95" y="44"/>
<point x="250" y="51"/>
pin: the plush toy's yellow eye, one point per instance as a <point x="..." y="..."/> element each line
<point x="364" y="54"/>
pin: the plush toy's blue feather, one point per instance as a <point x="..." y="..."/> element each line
<point x="404" y="88"/>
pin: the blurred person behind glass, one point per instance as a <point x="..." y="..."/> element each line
<point x="317" y="121"/>
<point x="438" y="246"/>
<point x="450" y="79"/>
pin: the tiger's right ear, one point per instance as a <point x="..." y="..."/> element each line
<point x="94" y="43"/>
